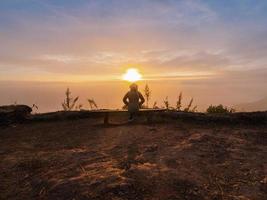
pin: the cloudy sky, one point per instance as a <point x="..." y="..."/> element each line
<point x="216" y="50"/>
<point x="78" y="40"/>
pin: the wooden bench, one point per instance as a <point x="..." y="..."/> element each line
<point x="147" y="112"/>
<point x="105" y="114"/>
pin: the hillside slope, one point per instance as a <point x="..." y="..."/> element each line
<point x="260" y="105"/>
<point x="80" y="160"/>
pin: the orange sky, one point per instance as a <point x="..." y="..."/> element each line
<point x="200" y="44"/>
<point x="97" y="40"/>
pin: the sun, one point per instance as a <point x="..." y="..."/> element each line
<point x="132" y="75"/>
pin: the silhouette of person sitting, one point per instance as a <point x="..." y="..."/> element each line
<point x="133" y="100"/>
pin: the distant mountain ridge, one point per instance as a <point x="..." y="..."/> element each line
<point x="260" y="105"/>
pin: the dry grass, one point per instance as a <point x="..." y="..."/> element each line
<point x="78" y="160"/>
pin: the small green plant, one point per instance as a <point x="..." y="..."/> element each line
<point x="92" y="104"/>
<point x="69" y="102"/>
<point x="147" y="95"/>
<point x="166" y="103"/>
<point x="219" y="109"/>
<point x="179" y="102"/>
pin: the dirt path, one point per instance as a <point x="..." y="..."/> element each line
<point x="76" y="160"/>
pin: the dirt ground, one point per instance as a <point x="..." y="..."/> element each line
<point x="175" y="161"/>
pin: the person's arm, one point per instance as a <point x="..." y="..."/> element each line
<point x="142" y="99"/>
<point x="125" y="99"/>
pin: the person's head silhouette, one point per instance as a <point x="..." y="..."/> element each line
<point x="134" y="87"/>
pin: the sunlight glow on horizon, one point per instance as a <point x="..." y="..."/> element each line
<point x="132" y="75"/>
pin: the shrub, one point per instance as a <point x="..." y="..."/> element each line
<point x="92" y="104"/>
<point x="69" y="102"/>
<point x="194" y="109"/>
<point x="35" y="107"/>
<point x="166" y="103"/>
<point x="179" y="102"/>
<point x="187" y="109"/>
<point x="155" y="105"/>
<point x="219" y="109"/>
<point x="79" y="107"/>
<point x="147" y="94"/>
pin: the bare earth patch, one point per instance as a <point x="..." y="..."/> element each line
<point x="78" y="160"/>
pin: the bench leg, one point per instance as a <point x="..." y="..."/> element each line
<point x="149" y="118"/>
<point x="106" y="119"/>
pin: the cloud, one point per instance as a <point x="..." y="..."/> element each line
<point x="103" y="36"/>
<point x="197" y="62"/>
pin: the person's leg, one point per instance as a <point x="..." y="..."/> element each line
<point x="131" y="116"/>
